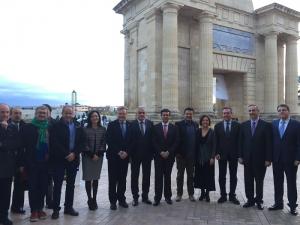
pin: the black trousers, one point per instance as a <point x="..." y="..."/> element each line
<point x="117" y="174"/>
<point x="59" y="171"/>
<point x="135" y="172"/>
<point x="233" y="164"/>
<point x="254" y="172"/>
<point x="182" y="165"/>
<point x="163" y="170"/>
<point x="37" y="185"/>
<point x="279" y="169"/>
<point x="49" y="195"/>
<point x="5" y="193"/>
<point x="18" y="192"/>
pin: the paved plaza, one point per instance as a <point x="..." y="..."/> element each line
<point x="182" y="213"/>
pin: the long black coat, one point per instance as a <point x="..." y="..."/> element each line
<point x="59" y="142"/>
<point x="257" y="147"/>
<point x="10" y="144"/>
<point x="142" y="147"/>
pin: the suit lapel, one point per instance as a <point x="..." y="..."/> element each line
<point x="287" y="129"/>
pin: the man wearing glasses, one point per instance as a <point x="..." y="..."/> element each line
<point x="286" y="158"/>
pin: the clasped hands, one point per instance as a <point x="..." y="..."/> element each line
<point x="164" y="154"/>
<point x="123" y="154"/>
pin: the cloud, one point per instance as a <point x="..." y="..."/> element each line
<point x="17" y="93"/>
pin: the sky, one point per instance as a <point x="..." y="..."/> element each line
<point x="48" y="48"/>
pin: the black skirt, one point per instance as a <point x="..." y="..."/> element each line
<point x="205" y="176"/>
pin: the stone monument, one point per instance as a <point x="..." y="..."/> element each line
<point x="208" y="54"/>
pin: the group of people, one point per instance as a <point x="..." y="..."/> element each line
<point x="46" y="151"/>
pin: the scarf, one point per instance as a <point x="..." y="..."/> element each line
<point x="42" y="126"/>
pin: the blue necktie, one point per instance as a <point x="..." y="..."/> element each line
<point x="253" y="128"/>
<point x="123" y="125"/>
<point x="281" y="128"/>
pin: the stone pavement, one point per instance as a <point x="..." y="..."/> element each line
<point x="182" y="213"/>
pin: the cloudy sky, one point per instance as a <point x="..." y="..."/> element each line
<point x="50" y="47"/>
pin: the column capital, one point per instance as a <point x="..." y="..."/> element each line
<point x="150" y="15"/>
<point x="292" y="38"/>
<point x="206" y="16"/>
<point x="271" y="35"/>
<point x="170" y="7"/>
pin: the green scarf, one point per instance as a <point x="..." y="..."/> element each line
<point x="42" y="126"/>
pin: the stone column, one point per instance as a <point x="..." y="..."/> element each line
<point x="249" y="80"/>
<point x="204" y="92"/>
<point x="271" y="73"/>
<point x="126" y="67"/>
<point x="133" y="88"/>
<point x="170" y="57"/>
<point x="291" y="74"/>
<point x="153" y="89"/>
<point x="280" y="72"/>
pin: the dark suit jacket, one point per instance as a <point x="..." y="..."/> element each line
<point x="115" y="140"/>
<point x="183" y="135"/>
<point x="9" y="147"/>
<point x="142" y="147"/>
<point x="29" y="135"/>
<point x="60" y="144"/>
<point x="287" y="148"/>
<point x="257" y="147"/>
<point x="226" y="146"/>
<point x="161" y="143"/>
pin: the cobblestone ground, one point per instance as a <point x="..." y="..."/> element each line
<point x="182" y="213"/>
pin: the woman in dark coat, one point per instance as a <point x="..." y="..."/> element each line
<point x="92" y="156"/>
<point x="205" y="165"/>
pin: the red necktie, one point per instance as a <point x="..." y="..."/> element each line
<point x="165" y="131"/>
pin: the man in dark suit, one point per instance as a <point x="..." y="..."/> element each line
<point x="9" y="146"/>
<point x="226" y="137"/>
<point x="255" y="153"/>
<point x="165" y="141"/>
<point x="141" y="153"/>
<point x="118" y="136"/>
<point x="17" y="205"/>
<point x="286" y="158"/>
<point x="35" y="140"/>
<point x="67" y="140"/>
<point x="185" y="154"/>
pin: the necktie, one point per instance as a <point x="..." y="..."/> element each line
<point x="142" y="128"/>
<point x="281" y="128"/>
<point x="123" y="125"/>
<point x="227" y="131"/>
<point x="165" y="131"/>
<point x="253" y="127"/>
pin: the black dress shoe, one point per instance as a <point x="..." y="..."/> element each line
<point x="71" y="212"/>
<point x="6" y="221"/>
<point x="135" y="202"/>
<point x="169" y="201"/>
<point x="234" y="200"/>
<point x="293" y="211"/>
<point x="202" y="196"/>
<point x="222" y="199"/>
<point x="55" y="215"/>
<point x="113" y="206"/>
<point x="147" y="201"/>
<point x="276" y="207"/>
<point x="123" y="204"/>
<point x="248" y="204"/>
<point x="260" y="206"/>
<point x="156" y="203"/>
<point x="18" y="211"/>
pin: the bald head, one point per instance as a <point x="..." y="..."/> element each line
<point x="4" y="112"/>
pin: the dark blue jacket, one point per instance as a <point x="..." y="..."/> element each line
<point x="287" y="148"/>
<point x="115" y="140"/>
